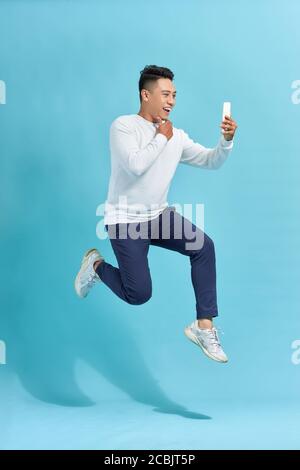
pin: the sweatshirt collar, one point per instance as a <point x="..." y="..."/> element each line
<point x="146" y="121"/>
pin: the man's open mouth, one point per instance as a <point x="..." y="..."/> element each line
<point x="167" y="110"/>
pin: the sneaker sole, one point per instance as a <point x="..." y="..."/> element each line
<point x="85" y="257"/>
<point x="195" y="340"/>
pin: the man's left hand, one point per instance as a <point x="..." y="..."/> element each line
<point x="229" y="126"/>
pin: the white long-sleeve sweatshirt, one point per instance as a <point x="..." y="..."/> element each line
<point x="143" y="164"/>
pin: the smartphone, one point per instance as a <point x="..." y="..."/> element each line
<point x="226" y="109"/>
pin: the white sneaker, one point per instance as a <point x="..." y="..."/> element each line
<point x="86" y="276"/>
<point x="208" y="341"/>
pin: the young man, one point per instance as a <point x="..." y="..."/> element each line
<point x="145" y="151"/>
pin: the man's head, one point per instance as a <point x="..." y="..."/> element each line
<point x="156" y="91"/>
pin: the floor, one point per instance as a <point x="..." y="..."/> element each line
<point x="124" y="424"/>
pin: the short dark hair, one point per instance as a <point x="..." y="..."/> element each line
<point x="150" y="74"/>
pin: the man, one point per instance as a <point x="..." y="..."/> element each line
<point x="145" y="151"/>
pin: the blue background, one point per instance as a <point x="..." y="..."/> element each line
<point x="100" y="373"/>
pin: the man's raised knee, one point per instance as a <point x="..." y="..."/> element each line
<point x="140" y="297"/>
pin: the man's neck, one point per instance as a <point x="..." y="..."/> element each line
<point x="148" y="117"/>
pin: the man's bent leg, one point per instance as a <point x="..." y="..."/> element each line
<point x="132" y="280"/>
<point x="187" y="239"/>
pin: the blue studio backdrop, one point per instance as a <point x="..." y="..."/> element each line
<point x="99" y="373"/>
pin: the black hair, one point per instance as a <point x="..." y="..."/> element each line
<point x="150" y="74"/>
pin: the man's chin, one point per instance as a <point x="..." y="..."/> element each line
<point x="163" y="118"/>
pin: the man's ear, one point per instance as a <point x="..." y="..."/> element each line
<point x="145" y="94"/>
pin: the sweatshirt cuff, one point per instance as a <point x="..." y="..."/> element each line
<point x="226" y="143"/>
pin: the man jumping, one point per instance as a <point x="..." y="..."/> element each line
<point x="145" y="151"/>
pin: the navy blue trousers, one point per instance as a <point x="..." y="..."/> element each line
<point x="131" y="281"/>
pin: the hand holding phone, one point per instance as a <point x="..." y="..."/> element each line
<point x="226" y="109"/>
<point x="228" y="124"/>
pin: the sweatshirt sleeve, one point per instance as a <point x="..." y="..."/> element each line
<point x="124" y="146"/>
<point x="208" y="158"/>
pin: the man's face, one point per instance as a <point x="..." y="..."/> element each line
<point x="162" y="95"/>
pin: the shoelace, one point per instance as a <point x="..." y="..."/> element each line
<point x="213" y="337"/>
<point x="91" y="279"/>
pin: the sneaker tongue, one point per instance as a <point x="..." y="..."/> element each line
<point x="212" y="334"/>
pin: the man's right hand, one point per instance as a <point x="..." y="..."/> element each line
<point x="165" y="128"/>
